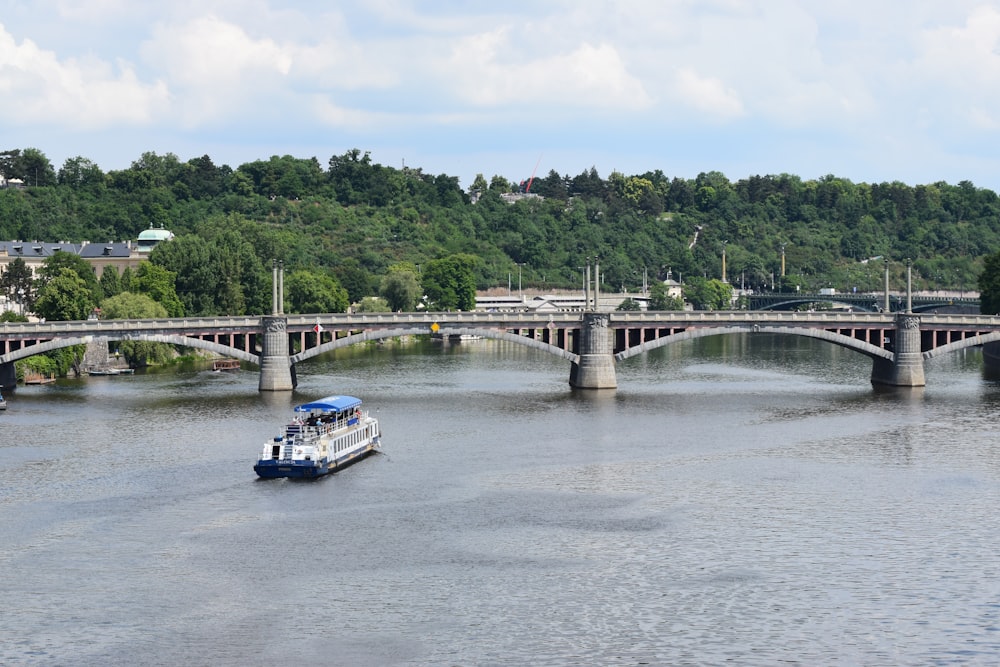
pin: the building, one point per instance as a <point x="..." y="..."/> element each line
<point x="148" y="239"/>
<point x="119" y="254"/>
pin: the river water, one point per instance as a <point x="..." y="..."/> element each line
<point x="748" y="500"/>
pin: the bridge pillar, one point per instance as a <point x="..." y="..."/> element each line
<point x="8" y="376"/>
<point x="991" y="361"/>
<point x="907" y="367"/>
<point x="275" y="369"/>
<point x="596" y="368"/>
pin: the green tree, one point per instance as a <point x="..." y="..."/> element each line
<point x="449" y="283"/>
<point x="479" y="185"/>
<point x="708" y="294"/>
<point x="400" y="288"/>
<point x="111" y="282"/>
<point x="126" y="280"/>
<point x="989" y="285"/>
<point x="79" y="172"/>
<point x="65" y="297"/>
<point x="18" y="285"/>
<point x="659" y="300"/>
<point x="130" y="306"/>
<point x="312" y="292"/>
<point x="54" y="265"/>
<point x="657" y="296"/>
<point x="373" y="304"/>
<point x="30" y="165"/>
<point x="629" y="304"/>
<point x="158" y="284"/>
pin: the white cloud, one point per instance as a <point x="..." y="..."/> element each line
<point x="214" y="67"/>
<point x="815" y="81"/>
<point x="708" y="94"/>
<point x="961" y="65"/>
<point x="487" y="70"/>
<point x="38" y="88"/>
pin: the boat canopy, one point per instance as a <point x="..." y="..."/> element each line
<point x="330" y="404"/>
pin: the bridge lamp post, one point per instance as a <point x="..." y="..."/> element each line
<point x="909" y="286"/>
<point x="887" y="285"/>
<point x="724" y="261"/>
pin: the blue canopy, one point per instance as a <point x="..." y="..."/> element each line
<point x="330" y="404"/>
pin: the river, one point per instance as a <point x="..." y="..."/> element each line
<point x="749" y="500"/>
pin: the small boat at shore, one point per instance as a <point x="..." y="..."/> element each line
<point x="225" y="365"/>
<point x="110" y="370"/>
<point x="325" y="435"/>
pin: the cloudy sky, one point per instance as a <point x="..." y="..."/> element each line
<point x="871" y="90"/>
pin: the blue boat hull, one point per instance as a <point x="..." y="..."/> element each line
<point x="276" y="469"/>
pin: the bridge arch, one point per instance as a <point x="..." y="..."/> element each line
<point x="59" y="343"/>
<point x="495" y="334"/>
<point x="794" y="302"/>
<point x="867" y="349"/>
<point x="973" y="341"/>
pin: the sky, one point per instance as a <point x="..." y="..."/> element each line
<point x="868" y="90"/>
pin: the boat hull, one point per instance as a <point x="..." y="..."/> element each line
<point x="326" y="435"/>
<point x="277" y="469"/>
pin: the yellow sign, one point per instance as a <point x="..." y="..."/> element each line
<point x="435" y="327"/>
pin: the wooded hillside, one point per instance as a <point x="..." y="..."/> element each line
<point x="354" y="218"/>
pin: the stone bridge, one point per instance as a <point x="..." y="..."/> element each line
<point x="592" y="342"/>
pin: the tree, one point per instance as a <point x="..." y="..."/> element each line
<point x="129" y="306"/>
<point x="158" y="284"/>
<point x="450" y="282"/>
<point x="629" y="304"/>
<point x="111" y="282"/>
<point x="479" y="185"/>
<point x="658" y="299"/>
<point x="65" y="297"/>
<point x="60" y="260"/>
<point x="30" y="165"/>
<point x="708" y="294"/>
<point x="400" y="288"/>
<point x="313" y="292"/>
<point x="500" y="184"/>
<point x="78" y="172"/>
<point x="989" y="285"/>
<point x="18" y="284"/>
<point x="125" y="282"/>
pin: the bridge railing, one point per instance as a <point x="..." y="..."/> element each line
<point x="361" y="321"/>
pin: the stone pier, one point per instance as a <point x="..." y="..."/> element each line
<point x="275" y="369"/>
<point x="596" y="368"/>
<point x="991" y="361"/>
<point x="907" y="366"/>
<point x="8" y="376"/>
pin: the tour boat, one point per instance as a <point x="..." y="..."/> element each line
<point x="326" y="435"/>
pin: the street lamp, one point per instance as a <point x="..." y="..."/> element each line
<point x="909" y="286"/>
<point x="724" y="261"/>
<point x="519" y="292"/>
<point x="20" y="301"/>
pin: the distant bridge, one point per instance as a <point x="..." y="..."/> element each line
<point x="867" y="302"/>
<point x="592" y="342"/>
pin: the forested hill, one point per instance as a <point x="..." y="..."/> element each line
<point x="355" y="218"/>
